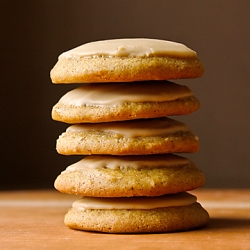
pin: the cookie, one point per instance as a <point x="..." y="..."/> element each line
<point x="126" y="60"/>
<point x="125" y="176"/>
<point x="135" y="137"/>
<point x="166" y="213"/>
<point x="124" y="101"/>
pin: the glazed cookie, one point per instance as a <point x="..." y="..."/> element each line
<point x="135" y="137"/>
<point x="125" y="176"/>
<point x="126" y="60"/>
<point x="166" y="213"/>
<point x="124" y="101"/>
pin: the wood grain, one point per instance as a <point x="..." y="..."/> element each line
<point x="34" y="220"/>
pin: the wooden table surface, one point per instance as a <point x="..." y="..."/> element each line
<point x="34" y="220"/>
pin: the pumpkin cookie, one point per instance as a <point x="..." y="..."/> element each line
<point x="135" y="137"/>
<point x="124" y="101"/>
<point x="166" y="213"/>
<point x="124" y="176"/>
<point x="126" y="60"/>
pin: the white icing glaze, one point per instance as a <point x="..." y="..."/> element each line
<point x="134" y="47"/>
<point x="134" y="128"/>
<point x="117" y="93"/>
<point x="171" y="200"/>
<point x="123" y="162"/>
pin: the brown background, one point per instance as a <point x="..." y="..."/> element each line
<point x="34" y="33"/>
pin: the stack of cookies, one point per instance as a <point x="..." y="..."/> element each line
<point x="131" y="178"/>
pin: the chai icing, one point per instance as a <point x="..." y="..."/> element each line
<point x="170" y="200"/>
<point x="119" y="93"/>
<point x="134" y="47"/>
<point x="134" y="128"/>
<point x="130" y="161"/>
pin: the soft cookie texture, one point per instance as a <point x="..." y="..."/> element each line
<point x="135" y="137"/>
<point x="124" y="101"/>
<point x="126" y="60"/>
<point x="156" y="220"/>
<point x="129" y="179"/>
<point x="116" y="176"/>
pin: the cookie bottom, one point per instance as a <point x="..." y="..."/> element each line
<point x="124" y="69"/>
<point x="102" y="143"/>
<point x="130" y="182"/>
<point x="158" y="220"/>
